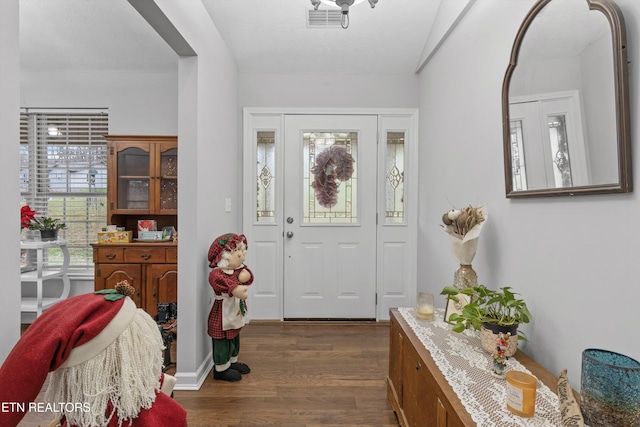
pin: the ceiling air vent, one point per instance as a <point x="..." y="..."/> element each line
<point x="324" y="18"/>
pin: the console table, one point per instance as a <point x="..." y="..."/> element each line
<point x="41" y="274"/>
<point x="447" y="386"/>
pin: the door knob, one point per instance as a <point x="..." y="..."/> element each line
<point x="290" y="220"/>
<point x="289" y="234"/>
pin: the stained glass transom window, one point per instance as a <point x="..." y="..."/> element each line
<point x="330" y="177"/>
<point x="394" y="182"/>
<point x="265" y="177"/>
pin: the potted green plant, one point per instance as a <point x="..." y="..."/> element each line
<point x="47" y="226"/>
<point x="493" y="312"/>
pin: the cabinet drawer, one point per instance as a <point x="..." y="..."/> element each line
<point x="172" y="255"/>
<point x="102" y="255"/>
<point x="144" y="255"/>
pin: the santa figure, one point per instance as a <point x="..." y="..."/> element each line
<point x="105" y="360"/>
<point x="230" y="280"/>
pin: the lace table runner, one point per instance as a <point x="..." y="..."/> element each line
<point x="467" y="368"/>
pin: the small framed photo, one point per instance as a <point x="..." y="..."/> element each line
<point x="456" y="307"/>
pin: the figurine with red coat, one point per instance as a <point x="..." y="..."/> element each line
<point x="102" y="356"/>
<point x="230" y="279"/>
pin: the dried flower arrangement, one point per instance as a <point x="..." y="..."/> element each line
<point x="464" y="227"/>
<point x="460" y="221"/>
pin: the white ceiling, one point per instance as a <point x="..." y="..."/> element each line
<point x="266" y="36"/>
<point x="89" y="35"/>
<point x="272" y="36"/>
<point x="563" y="29"/>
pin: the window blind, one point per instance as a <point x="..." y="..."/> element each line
<point x="63" y="174"/>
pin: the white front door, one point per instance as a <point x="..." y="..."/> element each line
<point x="330" y="216"/>
<point x="353" y="259"/>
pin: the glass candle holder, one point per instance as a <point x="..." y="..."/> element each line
<point x="425" y="305"/>
<point x="610" y="389"/>
<point x="521" y="393"/>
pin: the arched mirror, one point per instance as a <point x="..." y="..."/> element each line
<point x="565" y="102"/>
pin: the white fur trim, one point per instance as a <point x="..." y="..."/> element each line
<point x="221" y="368"/>
<point x="90" y="349"/>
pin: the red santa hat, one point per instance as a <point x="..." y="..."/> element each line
<point x="226" y="242"/>
<point x="68" y="334"/>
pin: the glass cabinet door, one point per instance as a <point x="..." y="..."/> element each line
<point x="133" y="178"/>
<point x="169" y="180"/>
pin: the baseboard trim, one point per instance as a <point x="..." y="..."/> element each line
<point x="194" y="380"/>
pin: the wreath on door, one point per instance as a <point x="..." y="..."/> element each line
<point x="333" y="166"/>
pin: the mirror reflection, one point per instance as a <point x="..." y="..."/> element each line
<point x="564" y="132"/>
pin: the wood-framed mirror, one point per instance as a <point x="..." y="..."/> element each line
<point x="565" y="102"/>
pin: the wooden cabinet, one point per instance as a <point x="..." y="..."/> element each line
<point x="162" y="286"/>
<point x="415" y="385"/>
<point x="152" y="269"/>
<point x="142" y="178"/>
<point x="418" y="391"/>
<point x="142" y="183"/>
<point x="108" y="275"/>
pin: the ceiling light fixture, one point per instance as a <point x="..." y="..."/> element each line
<point x="344" y="6"/>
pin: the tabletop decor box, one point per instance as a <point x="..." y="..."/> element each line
<point x="115" y="236"/>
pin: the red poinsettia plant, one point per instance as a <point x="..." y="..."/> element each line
<point x="28" y="220"/>
<point x="26" y="216"/>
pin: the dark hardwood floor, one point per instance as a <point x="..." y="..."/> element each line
<point x="302" y="374"/>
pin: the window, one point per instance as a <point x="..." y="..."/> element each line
<point x="317" y="149"/>
<point x="63" y="174"/>
<point x="394" y="182"/>
<point x="266" y="179"/>
<point x="518" y="164"/>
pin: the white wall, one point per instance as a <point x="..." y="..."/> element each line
<point x="600" y="119"/>
<point x="209" y="172"/>
<point x="139" y="103"/>
<point x="545" y="76"/>
<point x="10" y="167"/>
<point x="572" y="259"/>
<point x="329" y="90"/>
